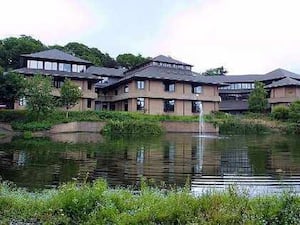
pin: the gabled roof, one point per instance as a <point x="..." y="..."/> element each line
<point x="55" y="54"/>
<point x="104" y="71"/>
<point x="168" y="59"/>
<point x="273" y="75"/>
<point x="284" y="82"/>
<point x="55" y="73"/>
<point x="169" y="74"/>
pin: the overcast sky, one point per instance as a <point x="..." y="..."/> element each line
<point x="244" y="36"/>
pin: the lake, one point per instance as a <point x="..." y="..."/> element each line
<point x="259" y="163"/>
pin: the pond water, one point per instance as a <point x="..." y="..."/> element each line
<point x="257" y="162"/>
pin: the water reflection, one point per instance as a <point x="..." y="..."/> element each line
<point x="267" y="161"/>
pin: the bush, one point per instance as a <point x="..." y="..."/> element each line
<point x="13" y="115"/>
<point x="294" y="114"/>
<point x="98" y="204"/>
<point x="280" y="113"/>
<point x="132" y="128"/>
<point x="236" y="126"/>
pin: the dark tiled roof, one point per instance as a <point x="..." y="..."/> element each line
<point x="104" y="71"/>
<point x="55" y="54"/>
<point x="169" y="74"/>
<point x="53" y="73"/>
<point x="284" y="82"/>
<point x="168" y="59"/>
<point x="273" y="75"/>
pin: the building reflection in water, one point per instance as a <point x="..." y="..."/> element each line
<point x="171" y="159"/>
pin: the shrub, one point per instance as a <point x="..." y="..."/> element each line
<point x="294" y="114"/>
<point x="13" y="115"/>
<point x="235" y="126"/>
<point x="280" y="113"/>
<point x="132" y="128"/>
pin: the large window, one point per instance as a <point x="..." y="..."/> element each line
<point x="170" y="87"/>
<point x="238" y="86"/>
<point x="140" y="103"/>
<point x="196" y="106"/>
<point x="65" y="67"/>
<point x="140" y="84"/>
<point x="169" y="105"/>
<point x="50" y="65"/>
<point x="34" y="64"/>
<point x="78" y="68"/>
<point x="196" y="89"/>
<point x="22" y="101"/>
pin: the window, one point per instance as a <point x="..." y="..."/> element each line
<point x="140" y="103"/>
<point x="116" y="92"/>
<point x="169" y="105"/>
<point x="57" y="83"/>
<point x="140" y="84"/>
<point x="50" y="65"/>
<point x="169" y="87"/>
<point x="196" y="106"/>
<point x="104" y="80"/>
<point x="74" y="68"/>
<point x="126" y="88"/>
<point x="196" y="89"/>
<point x="65" y="67"/>
<point x="32" y="64"/>
<point x="22" y="101"/>
<point x="90" y="85"/>
<point x="81" y="68"/>
<point x="89" y="103"/>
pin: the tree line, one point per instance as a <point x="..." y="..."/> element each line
<point x="11" y="48"/>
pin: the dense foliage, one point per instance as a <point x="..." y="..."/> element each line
<point x="69" y="95"/>
<point x="39" y="97"/>
<point x="12" y="86"/>
<point x="11" y="48"/>
<point x="132" y="128"/>
<point x="219" y="71"/>
<point x="258" y="98"/>
<point x="98" y="204"/>
<point x="128" y="60"/>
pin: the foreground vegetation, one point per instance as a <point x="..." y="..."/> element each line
<point x="98" y="204"/>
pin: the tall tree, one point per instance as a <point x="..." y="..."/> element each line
<point x="69" y="95"/>
<point x="38" y="95"/>
<point x="11" y="48"/>
<point x="258" y="98"/>
<point x="129" y="60"/>
<point x="219" y="71"/>
<point x="12" y="87"/>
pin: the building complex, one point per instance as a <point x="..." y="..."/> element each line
<point x="162" y="85"/>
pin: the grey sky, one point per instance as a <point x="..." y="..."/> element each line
<point x="244" y="36"/>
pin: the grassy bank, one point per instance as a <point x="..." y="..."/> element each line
<point x="22" y="121"/>
<point x="98" y="204"/>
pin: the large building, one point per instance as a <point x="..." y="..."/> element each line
<point x="282" y="87"/>
<point x="162" y="85"/>
<point x="60" y="65"/>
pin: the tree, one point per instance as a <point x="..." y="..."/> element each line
<point x="69" y="95"/>
<point x="11" y="48"/>
<point x="12" y="87"/>
<point x="128" y="60"/>
<point x="93" y="55"/>
<point x="38" y="95"/>
<point x="258" y="98"/>
<point x="219" y="71"/>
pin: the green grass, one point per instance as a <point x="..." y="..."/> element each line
<point x="22" y="121"/>
<point x="98" y="204"/>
